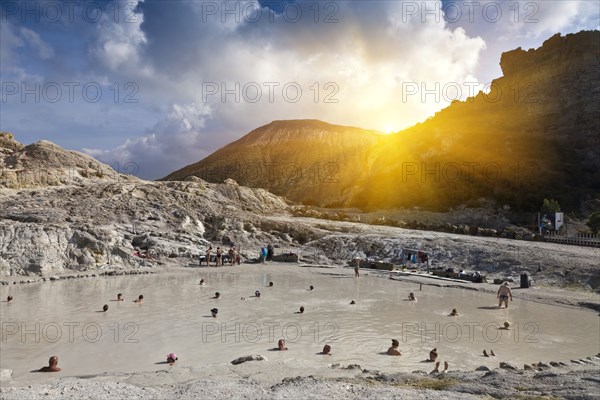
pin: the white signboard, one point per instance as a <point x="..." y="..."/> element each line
<point x="558" y="220"/>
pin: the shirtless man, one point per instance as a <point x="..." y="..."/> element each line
<point x="140" y="299"/>
<point x="52" y="365"/>
<point x="119" y="297"/>
<point x="393" y="351"/>
<point x="504" y="293"/>
<point x="356" y="267"/>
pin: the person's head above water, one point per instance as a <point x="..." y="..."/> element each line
<point x="352" y="302"/>
<point x="105" y="308"/>
<point x="270" y="284"/>
<point x="171" y="358"/>
<point x="454" y="312"/>
<point x="52" y="365"/>
<point x="326" y="349"/>
<point x="217" y="295"/>
<point x="301" y="309"/>
<point x="9" y="299"/>
<point x="140" y="299"/>
<point x="281" y="344"/>
<point x="257" y="293"/>
<point x="201" y="282"/>
<point x="506" y="324"/>
<point x="214" y="312"/>
<point x="120" y="296"/>
<point x="395" y="343"/>
<point x="311" y="287"/>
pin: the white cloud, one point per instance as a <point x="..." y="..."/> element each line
<point x="44" y="50"/>
<point x="119" y="40"/>
<point x="179" y="135"/>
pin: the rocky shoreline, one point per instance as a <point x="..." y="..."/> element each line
<point x="53" y="278"/>
<point x="574" y="380"/>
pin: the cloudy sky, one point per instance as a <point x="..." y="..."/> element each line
<point x="163" y="84"/>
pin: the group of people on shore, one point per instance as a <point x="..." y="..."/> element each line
<point x="233" y="255"/>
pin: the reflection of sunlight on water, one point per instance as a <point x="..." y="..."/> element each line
<point x="175" y="317"/>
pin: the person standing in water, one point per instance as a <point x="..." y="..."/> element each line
<point x="356" y="266"/>
<point x="504" y="293"/>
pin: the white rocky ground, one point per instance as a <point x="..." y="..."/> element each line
<point x="577" y="379"/>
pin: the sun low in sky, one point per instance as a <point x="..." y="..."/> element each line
<point x="164" y="84"/>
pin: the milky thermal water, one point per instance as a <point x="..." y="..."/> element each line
<point x="62" y="318"/>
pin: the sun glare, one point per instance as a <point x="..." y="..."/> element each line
<point x="389" y="128"/>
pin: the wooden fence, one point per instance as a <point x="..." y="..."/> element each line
<point x="583" y="239"/>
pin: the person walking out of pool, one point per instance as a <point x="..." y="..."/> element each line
<point x="208" y="251"/>
<point x="504" y="293"/>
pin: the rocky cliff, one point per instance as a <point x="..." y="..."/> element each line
<point x="61" y="210"/>
<point x="536" y="134"/>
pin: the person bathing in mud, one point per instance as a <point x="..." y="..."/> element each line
<point x="171" y="358"/>
<point x="281" y="345"/>
<point x="504" y="293"/>
<point x="393" y="351"/>
<point x="433" y="355"/>
<point x="52" y="365"/>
